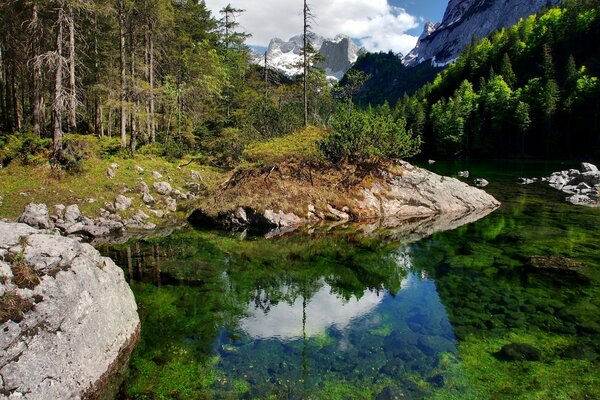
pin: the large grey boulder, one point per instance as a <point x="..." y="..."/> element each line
<point x="36" y="215"/>
<point x="79" y="325"/>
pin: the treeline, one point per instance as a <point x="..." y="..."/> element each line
<point x="164" y="73"/>
<point x="529" y="90"/>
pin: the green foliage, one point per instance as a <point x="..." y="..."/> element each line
<point x="366" y="136"/>
<point x="27" y="148"/>
<point x="534" y="91"/>
<point x="301" y="146"/>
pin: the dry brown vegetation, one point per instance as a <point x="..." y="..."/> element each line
<point x="24" y="275"/>
<point x="13" y="307"/>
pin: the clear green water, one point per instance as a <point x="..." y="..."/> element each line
<point x="335" y="315"/>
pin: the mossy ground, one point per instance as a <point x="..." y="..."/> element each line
<point x="22" y="184"/>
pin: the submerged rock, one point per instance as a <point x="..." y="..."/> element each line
<point x="555" y="263"/>
<point x="518" y="352"/>
<point x="79" y="324"/>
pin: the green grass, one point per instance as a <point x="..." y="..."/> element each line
<point x="91" y="188"/>
<point x="298" y="146"/>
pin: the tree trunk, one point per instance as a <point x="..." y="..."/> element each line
<point x="133" y="95"/>
<point x="305" y="62"/>
<point x="123" y="95"/>
<point x="72" y="96"/>
<point x="57" y="134"/>
<point x="98" y="128"/>
<point x="15" y="101"/>
<point x="151" y="70"/>
<point x="37" y="99"/>
<point x="3" y="84"/>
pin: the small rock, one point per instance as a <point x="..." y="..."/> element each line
<point x="479" y="182"/>
<point x="171" y="203"/>
<point x="163" y="188"/>
<point x="526" y="181"/>
<point x="72" y="214"/>
<point x="158" y="213"/>
<point x="110" y="173"/>
<point x="337" y="214"/>
<point x="36" y="215"/>
<point x="156" y="175"/>
<point x="569" y="189"/>
<point x="138" y="169"/>
<point x="464" y="174"/>
<point x="114" y="165"/>
<point x="518" y="352"/>
<point x="148" y="199"/>
<point x="580" y="200"/>
<point x="196" y="175"/>
<point x="144" y="187"/>
<point x="59" y="210"/>
<point x="1" y="200"/>
<point x="122" y="203"/>
<point x="587" y="167"/>
<point x="431" y="162"/>
<point x="177" y="193"/>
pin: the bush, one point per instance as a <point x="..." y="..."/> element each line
<point x="367" y="136"/>
<point x="298" y="146"/>
<point x="28" y="148"/>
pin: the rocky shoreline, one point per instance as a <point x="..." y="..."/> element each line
<point x="393" y="195"/>
<point x="68" y="318"/>
<point x="582" y="186"/>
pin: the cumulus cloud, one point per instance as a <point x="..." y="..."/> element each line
<point x="378" y="25"/>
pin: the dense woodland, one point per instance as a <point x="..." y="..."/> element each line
<point x="530" y="90"/>
<point x="161" y="72"/>
<point x="167" y="77"/>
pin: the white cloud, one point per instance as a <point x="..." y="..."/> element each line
<point x="379" y="26"/>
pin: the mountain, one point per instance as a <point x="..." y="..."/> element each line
<point x="441" y="43"/>
<point x="338" y="53"/>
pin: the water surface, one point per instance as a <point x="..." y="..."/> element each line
<point x="340" y="315"/>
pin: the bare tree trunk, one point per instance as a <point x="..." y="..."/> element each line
<point x="133" y="114"/>
<point x="109" y="122"/>
<point x="98" y="128"/>
<point x="37" y="103"/>
<point x="57" y="134"/>
<point x="123" y="127"/>
<point x="305" y="62"/>
<point x="151" y="71"/>
<point x="72" y="95"/>
<point x="3" y="84"/>
<point x="16" y="102"/>
<point x="266" y="75"/>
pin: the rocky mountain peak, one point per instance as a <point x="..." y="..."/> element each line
<point x="442" y="43"/>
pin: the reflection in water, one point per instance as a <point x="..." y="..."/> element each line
<point x="323" y="310"/>
<point x="347" y="316"/>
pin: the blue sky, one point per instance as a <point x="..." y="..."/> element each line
<point x="429" y="10"/>
<point x="378" y="25"/>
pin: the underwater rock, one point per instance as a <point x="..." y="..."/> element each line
<point x="518" y="352"/>
<point x="554" y="263"/>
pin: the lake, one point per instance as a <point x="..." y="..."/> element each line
<point x="340" y="314"/>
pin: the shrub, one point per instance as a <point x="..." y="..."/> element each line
<point x="298" y="146"/>
<point x="28" y="148"/>
<point x="367" y="136"/>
